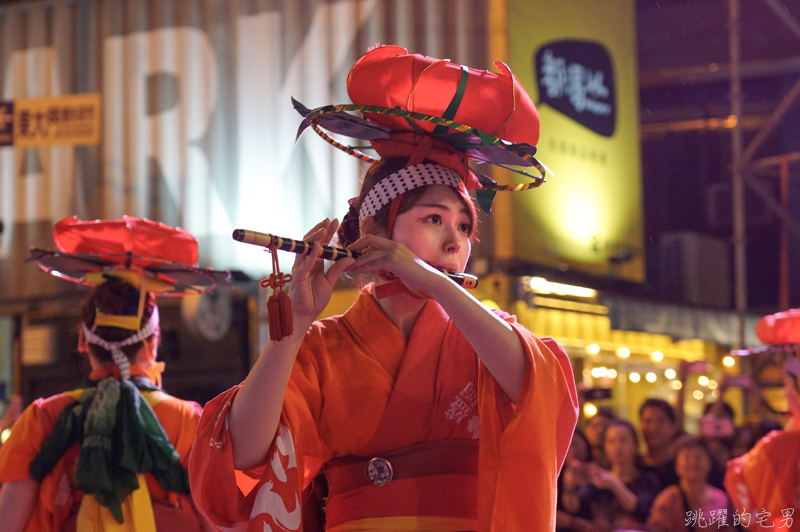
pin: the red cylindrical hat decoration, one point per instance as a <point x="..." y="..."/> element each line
<point x="780" y="329"/>
<point x="140" y="237"/>
<point x="389" y="76"/>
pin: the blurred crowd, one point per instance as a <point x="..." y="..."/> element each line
<point x="677" y="484"/>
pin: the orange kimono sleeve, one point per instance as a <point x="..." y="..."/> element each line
<point x="21" y="447"/>
<point x="765" y="480"/>
<point x="27" y="436"/>
<point x="522" y="449"/>
<point x="274" y="503"/>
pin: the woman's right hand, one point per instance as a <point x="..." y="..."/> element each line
<point x="311" y="286"/>
<point x="575" y="476"/>
<point x="601" y="478"/>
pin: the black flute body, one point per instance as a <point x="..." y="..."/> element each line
<point x="302" y="247"/>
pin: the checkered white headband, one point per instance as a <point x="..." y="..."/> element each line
<point x="403" y="180"/>
<point x="122" y="362"/>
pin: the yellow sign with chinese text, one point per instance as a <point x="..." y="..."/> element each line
<point x="577" y="60"/>
<point x="72" y="119"/>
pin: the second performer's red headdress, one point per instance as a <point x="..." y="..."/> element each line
<point x="150" y="256"/>
<point x="166" y="257"/>
<point x="781" y="331"/>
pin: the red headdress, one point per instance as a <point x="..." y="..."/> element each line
<point x="164" y="257"/>
<point x="426" y="108"/>
<point x="150" y="256"/>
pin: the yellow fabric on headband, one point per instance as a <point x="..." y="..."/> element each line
<point x="130" y="323"/>
<point x="134" y="278"/>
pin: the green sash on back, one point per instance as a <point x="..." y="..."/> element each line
<point x="120" y="436"/>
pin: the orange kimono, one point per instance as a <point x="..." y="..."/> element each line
<point x="765" y="483"/>
<point x="357" y="391"/>
<point x="57" y="497"/>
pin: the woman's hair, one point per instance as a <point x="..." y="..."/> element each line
<point x="638" y="462"/>
<point x="621" y="423"/>
<point x="118" y="298"/>
<point x="725" y="410"/>
<point x="349" y="230"/>
<point x="687" y="442"/>
<point x="659" y="404"/>
<point x="606" y="413"/>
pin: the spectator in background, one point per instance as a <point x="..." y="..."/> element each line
<point x="723" y="430"/>
<point x="716" y="428"/>
<point x="573" y="510"/>
<point x="693" y="503"/>
<point x="596" y="434"/>
<point x="657" y="420"/>
<point x="746" y="436"/>
<point x="624" y="495"/>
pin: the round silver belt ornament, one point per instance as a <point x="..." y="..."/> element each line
<point x="379" y="471"/>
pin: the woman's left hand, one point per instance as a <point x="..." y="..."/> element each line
<point x="380" y="254"/>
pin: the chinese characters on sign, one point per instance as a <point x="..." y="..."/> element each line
<point x="583" y="86"/>
<point x="743" y="519"/>
<point x="576" y="78"/>
<point x="72" y="119"/>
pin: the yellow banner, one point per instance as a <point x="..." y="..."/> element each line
<point x="577" y="60"/>
<point x="73" y="119"/>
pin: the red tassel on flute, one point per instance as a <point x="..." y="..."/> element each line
<point x="287" y="321"/>
<point x="273" y="315"/>
<point x="279" y="305"/>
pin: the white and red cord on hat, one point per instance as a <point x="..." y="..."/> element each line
<point x="121" y="361"/>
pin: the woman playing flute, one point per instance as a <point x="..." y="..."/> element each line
<point x="426" y="410"/>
